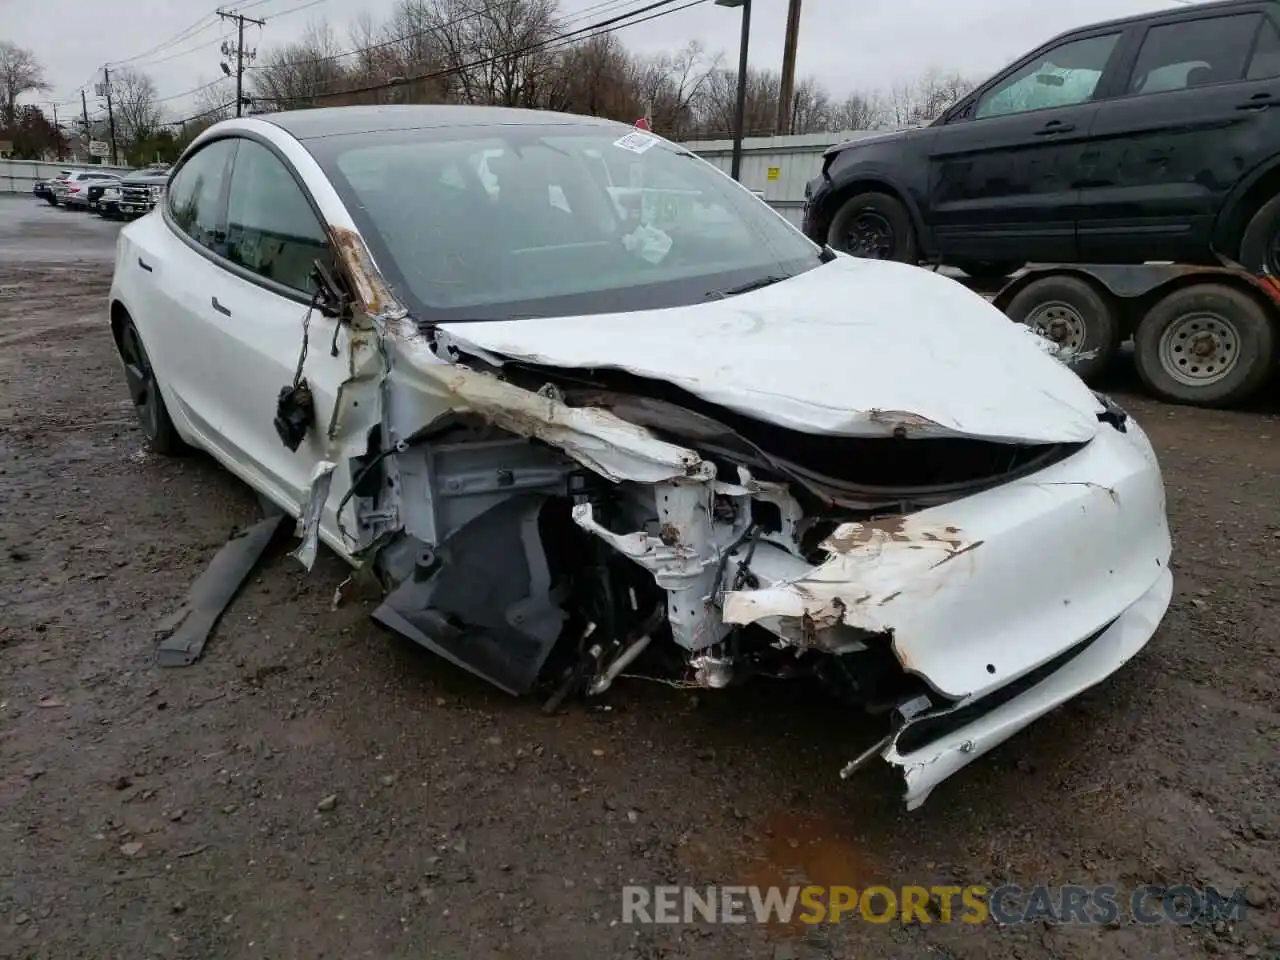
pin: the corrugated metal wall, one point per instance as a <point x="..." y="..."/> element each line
<point x="778" y="166"/>
<point x="17" y="176"/>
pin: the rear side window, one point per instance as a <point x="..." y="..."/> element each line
<point x="1265" y="63"/>
<point x="271" y="228"/>
<point x="1060" y="77"/>
<point x="1194" y="53"/>
<point x="195" y="194"/>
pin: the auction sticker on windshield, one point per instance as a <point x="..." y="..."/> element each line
<point x="636" y="142"/>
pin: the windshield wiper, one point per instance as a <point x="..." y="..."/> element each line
<point x="748" y="287"/>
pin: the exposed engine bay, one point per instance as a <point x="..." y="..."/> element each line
<point x="537" y="574"/>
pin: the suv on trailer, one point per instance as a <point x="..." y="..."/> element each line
<point x="1149" y="138"/>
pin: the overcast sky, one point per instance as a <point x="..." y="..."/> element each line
<point x="847" y="44"/>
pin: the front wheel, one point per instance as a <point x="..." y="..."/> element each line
<point x="1209" y="344"/>
<point x="144" y="391"/>
<point x="875" y="226"/>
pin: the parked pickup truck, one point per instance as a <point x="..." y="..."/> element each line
<point x="140" y="191"/>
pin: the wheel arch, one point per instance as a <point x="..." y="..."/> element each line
<point x="119" y="317"/>
<point x="1242" y="203"/>
<point x="872" y="183"/>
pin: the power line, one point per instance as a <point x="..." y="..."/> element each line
<point x="199" y="116"/>
<point x="198" y="27"/>
<point x="187" y="93"/>
<point x="602" y="28"/>
<point x="435" y="28"/>
<point x="203" y="45"/>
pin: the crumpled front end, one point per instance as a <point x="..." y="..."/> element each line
<point x="541" y="524"/>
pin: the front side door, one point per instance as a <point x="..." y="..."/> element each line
<point x="273" y="239"/>
<point x="180" y="280"/>
<point x="1003" y="169"/>
<point x="1198" y="110"/>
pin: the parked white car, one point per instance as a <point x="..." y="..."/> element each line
<point x="73" y="190"/>
<point x="563" y="436"/>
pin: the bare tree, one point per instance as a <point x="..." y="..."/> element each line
<point x="214" y="103"/>
<point x="811" y="108"/>
<point x="137" y="114"/>
<point x="593" y="78"/>
<point x="20" y="73"/>
<point x="673" y="88"/>
<point x="935" y="91"/>
<point x="859" y="111"/>
<point x="719" y="105"/>
<point x="293" y="75"/>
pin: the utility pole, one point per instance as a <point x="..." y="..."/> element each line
<point x="57" y="134"/>
<point x="84" y="105"/>
<point x="785" y="92"/>
<point x="240" y="20"/>
<point x="111" y="117"/>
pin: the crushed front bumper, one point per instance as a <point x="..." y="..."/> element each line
<point x="954" y="738"/>
<point x="1005" y="604"/>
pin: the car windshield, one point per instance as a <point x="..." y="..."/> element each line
<point x="554" y="220"/>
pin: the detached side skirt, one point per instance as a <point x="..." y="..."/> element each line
<point x="188" y="628"/>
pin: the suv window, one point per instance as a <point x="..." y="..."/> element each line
<point x="1266" y="53"/>
<point x="196" y="190"/>
<point x="271" y="228"/>
<point x="1193" y="53"/>
<point x="1060" y="77"/>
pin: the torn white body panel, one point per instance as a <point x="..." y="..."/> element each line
<point x="895" y="347"/>
<point x="977" y="592"/>
<point x="926" y="767"/>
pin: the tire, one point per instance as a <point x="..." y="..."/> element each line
<point x="153" y="415"/>
<point x="885" y="233"/>
<point x="989" y="269"/>
<point x="51" y="201"/>
<point x="1073" y="313"/>
<point x="1231" y="327"/>
<point x="1260" y="243"/>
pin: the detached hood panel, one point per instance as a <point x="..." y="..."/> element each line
<point x="855" y="348"/>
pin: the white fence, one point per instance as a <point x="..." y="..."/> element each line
<point x="778" y="166"/>
<point x="18" y="176"/>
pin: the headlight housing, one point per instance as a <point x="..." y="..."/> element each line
<point x="156" y="192"/>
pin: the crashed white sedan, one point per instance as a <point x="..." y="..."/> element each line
<point x="576" y="398"/>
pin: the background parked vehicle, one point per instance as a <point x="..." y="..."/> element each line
<point x="94" y="192"/>
<point x="72" y="190"/>
<point x="43" y="189"/>
<point x="1147" y="138"/>
<point x="139" y="191"/>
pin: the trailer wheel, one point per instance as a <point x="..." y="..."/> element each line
<point x="1209" y="344"/>
<point x="1074" y="314"/>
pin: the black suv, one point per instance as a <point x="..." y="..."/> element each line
<point x="1149" y="138"/>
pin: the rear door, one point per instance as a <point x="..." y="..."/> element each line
<point x="1004" y="168"/>
<point x="1199" y="107"/>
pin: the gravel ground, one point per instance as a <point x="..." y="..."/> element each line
<point x="316" y="787"/>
